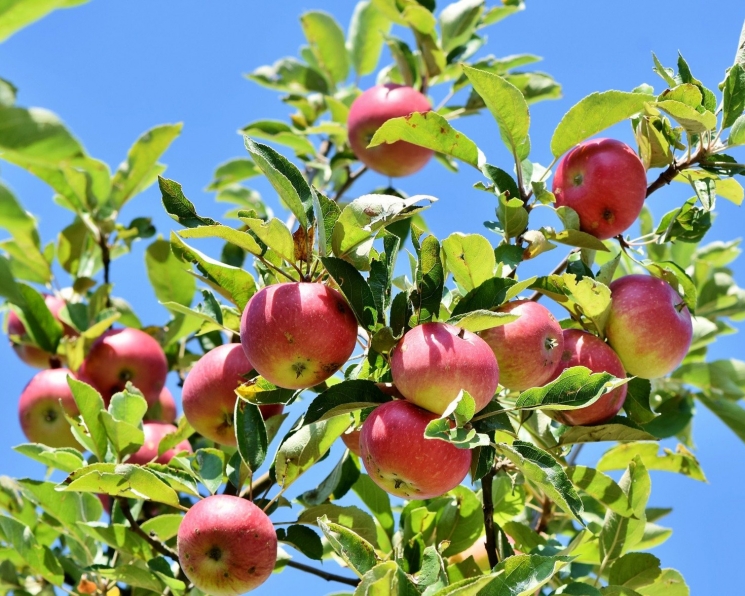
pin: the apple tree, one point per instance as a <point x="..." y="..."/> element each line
<point x="462" y="401"/>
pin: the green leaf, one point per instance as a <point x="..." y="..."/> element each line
<point x="303" y="539"/>
<point x="274" y="234"/>
<point x="377" y="501"/>
<point x="179" y="207"/>
<point x="635" y="570"/>
<point x="406" y="61"/>
<point x="343" y="398"/>
<point x="326" y="39"/>
<point x="39" y="557"/>
<point x="601" y="487"/>
<point x="352" y="518"/>
<point x="669" y="583"/>
<point x="122" y="422"/>
<point x="508" y="498"/>
<point x="119" y="537"/>
<point x="209" y="465"/>
<point x="593" y="114"/>
<point x="242" y="239"/>
<point x="489" y="295"/>
<point x="719" y="378"/>
<point x="66" y="459"/>
<point x="539" y="467"/>
<point x="688" y="117"/>
<point x="355" y="290"/>
<point x="470" y="258"/>
<point x="327" y="214"/>
<point x="290" y="75"/>
<point x="512" y="216"/>
<point x="430" y="130"/>
<point x="336" y="484"/>
<point x="681" y="462"/>
<point x="305" y="447"/>
<point x="163" y="526"/>
<point x="367" y="32"/>
<point x="734" y="95"/>
<point x="430" y="281"/>
<point x="232" y="171"/>
<point x="136" y="173"/>
<point x="458" y="22"/>
<point x="39" y="322"/>
<point x="481" y="320"/>
<point x="90" y="403"/>
<point x="617" y="429"/>
<point x="250" y="433"/>
<point x="22" y="228"/>
<point x="168" y="275"/>
<point x="356" y="552"/>
<point x="507" y="105"/>
<point x="285" y="178"/>
<point x="280" y="133"/>
<point x="729" y="412"/>
<point x="17" y="14"/>
<point x="678" y="279"/>
<point x="737" y="133"/>
<point x="37" y="136"/>
<point x="576" y="387"/>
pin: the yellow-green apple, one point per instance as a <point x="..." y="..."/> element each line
<point x="588" y="350"/>
<point x="122" y="355"/>
<point x="527" y="349"/>
<point x="42" y="408"/>
<point x="605" y="182"/>
<point x="209" y="396"/>
<point x="369" y="112"/>
<point x="163" y="410"/>
<point x="29" y="353"/>
<point x="154" y="433"/>
<point x="401" y="461"/>
<point x="649" y="325"/>
<point x="434" y="361"/>
<point x="297" y="335"/>
<point x="226" y="545"/>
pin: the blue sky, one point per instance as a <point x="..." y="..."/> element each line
<point x="111" y="70"/>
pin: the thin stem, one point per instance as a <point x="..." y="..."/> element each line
<point x="329" y="577"/>
<point x="103" y="242"/>
<point x="575" y="454"/>
<point x="277" y="269"/>
<point x="444" y="101"/>
<point x="488" y="508"/>
<point x="157" y="545"/>
<point x="351" y="179"/>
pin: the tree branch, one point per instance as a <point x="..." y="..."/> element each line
<point x="488" y="508"/>
<point x="329" y="577"/>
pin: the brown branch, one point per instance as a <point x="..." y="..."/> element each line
<point x="488" y="508"/>
<point x="329" y="577"/>
<point x="351" y="179"/>
<point x="673" y="170"/>
<point x="262" y="484"/>
<point x="546" y="514"/>
<point x="158" y="546"/>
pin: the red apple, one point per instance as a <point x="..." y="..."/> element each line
<point x="527" y="349"/>
<point x="40" y="413"/>
<point x="369" y="112"/>
<point x="351" y="439"/>
<point x="401" y="461"/>
<point x="588" y="350"/>
<point x="209" y="396"/>
<point x="434" y="361"/>
<point x="30" y="354"/>
<point x="226" y="545"/>
<point x="122" y="355"/>
<point x="154" y="432"/>
<point x="298" y="334"/>
<point x="163" y="410"/>
<point x="649" y="325"/>
<point x="605" y="182"/>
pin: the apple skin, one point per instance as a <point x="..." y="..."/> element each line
<point x="154" y="432"/>
<point x="585" y="349"/>
<point x="605" y="182"/>
<point x="209" y="397"/>
<point x="39" y="411"/>
<point x="33" y="355"/>
<point x="369" y="112"/>
<point x="298" y="334"/>
<point x="527" y="349"/>
<point x="351" y="438"/>
<point x="122" y="355"/>
<point x="226" y="545"/>
<point x="434" y="361"/>
<point x="649" y="326"/>
<point x="164" y="410"/>
<point x="401" y="461"/>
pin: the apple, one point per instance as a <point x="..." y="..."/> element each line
<point x="369" y="112"/>
<point x="605" y="182"/>
<point x="30" y="354"/>
<point x="585" y="349"/>
<point x="351" y="438"/>
<point x="527" y="349"/>
<point x="649" y="325"/>
<point x="154" y="432"/>
<point x="209" y="396"/>
<point x="163" y="410"/>
<point x="401" y="461"/>
<point x="40" y="413"/>
<point x="298" y="334"/>
<point x="434" y="361"/>
<point x="122" y="355"/>
<point x="226" y="545"/>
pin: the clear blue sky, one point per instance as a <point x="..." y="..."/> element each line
<point x="111" y="70"/>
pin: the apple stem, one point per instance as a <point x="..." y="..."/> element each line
<point x="488" y="508"/>
<point x="329" y="577"/>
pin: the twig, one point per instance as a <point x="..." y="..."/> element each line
<point x="488" y="508"/>
<point x="329" y="577"/>
<point x="673" y="170"/>
<point x="261" y="484"/>
<point x="103" y="243"/>
<point x="156" y="544"/>
<point x="351" y="179"/>
<point x="546" y="512"/>
<point x="575" y="454"/>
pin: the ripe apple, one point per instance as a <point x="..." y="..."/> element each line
<point x="30" y="354"/>
<point x="163" y="410"/>
<point x="209" y="396"/>
<point x="40" y="413"/>
<point x="154" y="432"/>
<point x="226" y="545"/>
<point x="401" y="461"/>
<point x="298" y="334"/>
<point x="369" y="112"/>
<point x="351" y="438"/>
<point x="527" y="349"/>
<point x="122" y="355"/>
<point x="434" y="361"/>
<point x="605" y="182"/>
<point x="649" y="325"/>
<point x="585" y="349"/>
